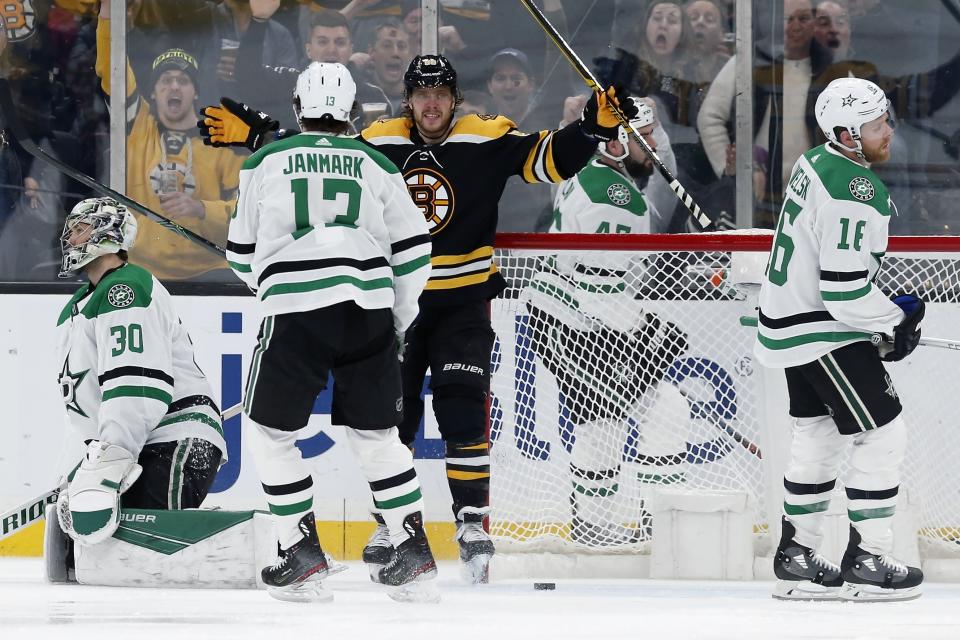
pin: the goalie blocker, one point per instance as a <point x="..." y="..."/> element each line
<point x="195" y="548"/>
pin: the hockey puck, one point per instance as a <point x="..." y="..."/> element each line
<point x="544" y="586"/>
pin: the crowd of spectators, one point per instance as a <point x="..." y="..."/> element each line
<point x="183" y="54"/>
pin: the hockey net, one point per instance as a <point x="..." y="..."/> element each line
<point x="588" y="419"/>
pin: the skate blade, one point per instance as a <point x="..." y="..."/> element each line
<point x="872" y="593"/>
<point x="477" y="569"/>
<point x="334" y="567"/>
<point x="804" y="590"/>
<point x="423" y="589"/>
<point x="307" y="591"/>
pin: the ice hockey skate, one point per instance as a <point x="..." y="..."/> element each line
<point x="802" y="572"/>
<point x="476" y="548"/>
<point x="869" y="577"/>
<point x="298" y="573"/>
<point x="411" y="573"/>
<point x="379" y="550"/>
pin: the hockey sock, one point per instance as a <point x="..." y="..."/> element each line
<point x="662" y="416"/>
<point x="816" y="452"/>
<point x="388" y="466"/>
<point x="595" y="469"/>
<point x="873" y="483"/>
<point x="468" y="474"/>
<point x="285" y="478"/>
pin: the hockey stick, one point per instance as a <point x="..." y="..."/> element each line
<point x="27" y="513"/>
<point x="21" y="139"/>
<point x="19" y="517"/>
<point x="698" y="214"/>
<point x="943" y="343"/>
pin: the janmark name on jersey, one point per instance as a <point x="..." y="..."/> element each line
<point x="310" y="162"/>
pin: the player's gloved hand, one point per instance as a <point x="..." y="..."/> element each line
<point x="906" y="335"/>
<point x="401" y="345"/>
<point x="598" y="120"/>
<point x="234" y="124"/>
<point x="89" y="508"/>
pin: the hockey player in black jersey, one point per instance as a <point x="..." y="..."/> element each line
<point x="455" y="170"/>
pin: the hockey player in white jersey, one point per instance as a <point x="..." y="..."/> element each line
<point x="818" y="310"/>
<point x="607" y="354"/>
<point x="338" y="254"/>
<point x="130" y="384"/>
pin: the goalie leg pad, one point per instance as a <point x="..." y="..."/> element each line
<point x="388" y="467"/>
<point x="873" y="483"/>
<point x="816" y="452"/>
<point x="90" y="506"/>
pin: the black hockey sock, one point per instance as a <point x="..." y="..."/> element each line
<point x="468" y="473"/>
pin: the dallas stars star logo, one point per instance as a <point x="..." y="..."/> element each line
<point x="69" y="382"/>
<point x="848" y="101"/>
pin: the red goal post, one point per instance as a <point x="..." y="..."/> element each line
<point x="710" y="400"/>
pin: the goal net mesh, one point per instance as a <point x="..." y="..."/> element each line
<point x="617" y="372"/>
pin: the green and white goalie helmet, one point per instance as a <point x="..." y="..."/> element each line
<point x="849" y="103"/>
<point x="644" y="118"/>
<point x="112" y="228"/>
<point x="325" y="88"/>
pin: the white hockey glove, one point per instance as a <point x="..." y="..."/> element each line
<point x="89" y="508"/>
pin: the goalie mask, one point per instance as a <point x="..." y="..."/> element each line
<point x="95" y="227"/>
<point x="849" y="103"/>
<point x="325" y="89"/>
<point x="644" y="118"/>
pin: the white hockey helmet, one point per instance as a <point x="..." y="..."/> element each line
<point x="325" y="88"/>
<point x="849" y="103"/>
<point x="644" y="118"/>
<point x="113" y="228"/>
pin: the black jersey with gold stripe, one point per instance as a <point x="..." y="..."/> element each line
<point x="458" y="183"/>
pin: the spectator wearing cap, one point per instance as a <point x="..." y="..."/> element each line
<point x="513" y="89"/>
<point x="169" y="169"/>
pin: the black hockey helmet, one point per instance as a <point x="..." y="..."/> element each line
<point x="430" y="70"/>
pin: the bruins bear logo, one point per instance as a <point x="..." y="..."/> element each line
<point x="431" y="191"/>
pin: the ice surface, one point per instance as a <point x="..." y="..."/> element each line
<point x="580" y="609"/>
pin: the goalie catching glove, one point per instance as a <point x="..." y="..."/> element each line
<point x="234" y="124"/>
<point x="599" y="121"/>
<point x="906" y="335"/>
<point x="89" y="508"/>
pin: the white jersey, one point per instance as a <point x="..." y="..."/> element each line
<point x="323" y="219"/>
<point x="127" y="371"/>
<point x="587" y="291"/>
<point x="818" y="294"/>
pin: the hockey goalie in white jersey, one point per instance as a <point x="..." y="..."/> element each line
<point x="130" y="384"/>
<point x="607" y="354"/>
<point x="819" y="309"/>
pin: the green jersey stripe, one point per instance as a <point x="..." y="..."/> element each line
<point x="807" y="338"/>
<point x="326" y="283"/>
<point x="131" y="391"/>
<point x="844" y="296"/>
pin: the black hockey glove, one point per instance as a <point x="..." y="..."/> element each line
<point x="234" y="124"/>
<point x="906" y="335"/>
<point x="598" y="121"/>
